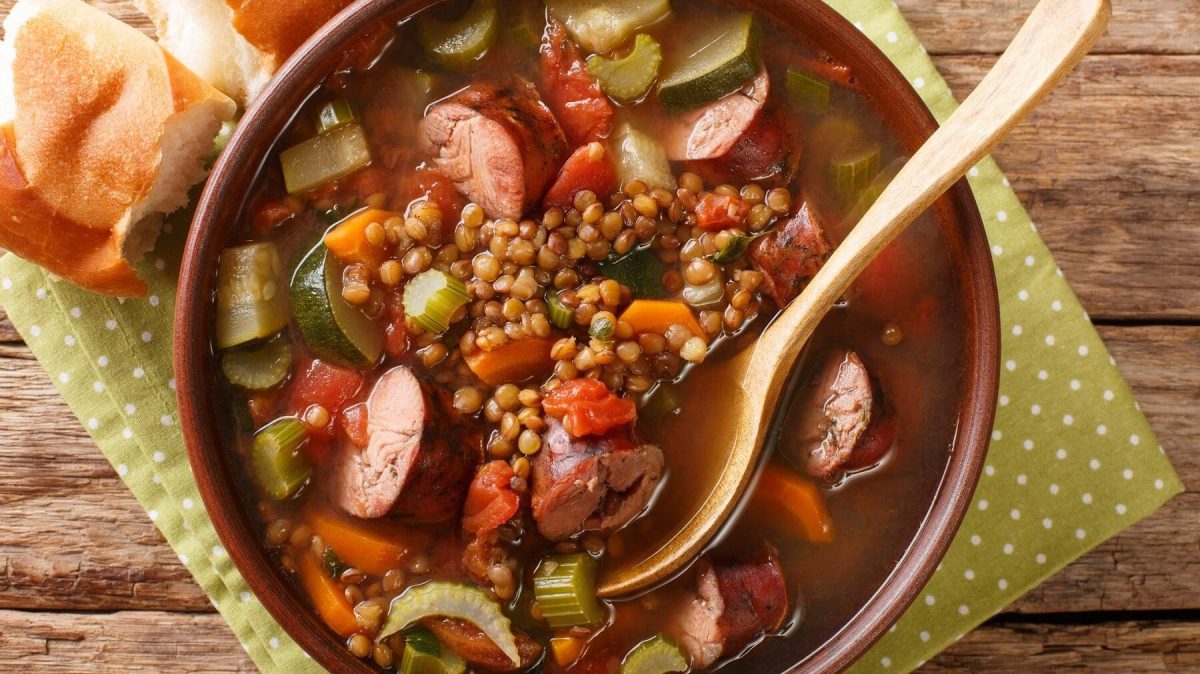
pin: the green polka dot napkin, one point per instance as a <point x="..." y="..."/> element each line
<point x="1072" y="460"/>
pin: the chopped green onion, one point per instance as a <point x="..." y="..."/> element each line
<point x="457" y="43"/>
<point x="323" y="159"/>
<point x="854" y="171"/>
<point x="334" y="566"/>
<point x="602" y="329"/>
<point x="629" y="78"/>
<point x="278" y="464"/>
<point x="251" y="302"/>
<point x="733" y="250"/>
<point x="705" y="295"/>
<point x="655" y="656"/>
<point x="452" y="600"/>
<point x="639" y="270"/>
<point x="334" y="115"/>
<point x="424" y="655"/>
<point x="432" y="297"/>
<point x="565" y="587"/>
<point x="808" y="91"/>
<point x="260" y="368"/>
<point x="561" y="316"/>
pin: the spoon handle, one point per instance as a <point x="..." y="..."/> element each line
<point x="1053" y="40"/>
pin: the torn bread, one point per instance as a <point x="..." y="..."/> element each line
<point x="101" y="132"/>
<point x="237" y="45"/>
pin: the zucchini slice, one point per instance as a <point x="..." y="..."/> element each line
<point x="455" y="44"/>
<point x="727" y="61"/>
<point x="655" y="656"/>
<point x="641" y="271"/>
<point x="258" y="368"/>
<point x="332" y="328"/>
<point x="250" y="300"/>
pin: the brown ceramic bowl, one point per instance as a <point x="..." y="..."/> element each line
<point x="220" y="208"/>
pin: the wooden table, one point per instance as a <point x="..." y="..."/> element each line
<point x="1110" y="169"/>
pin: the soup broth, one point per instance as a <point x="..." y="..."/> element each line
<point x="486" y="267"/>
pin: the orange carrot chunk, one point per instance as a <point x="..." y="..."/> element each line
<point x="792" y="502"/>
<point x="327" y="596"/>
<point x="512" y="362"/>
<point x="348" y="240"/>
<point x="658" y="315"/>
<point x="374" y="547"/>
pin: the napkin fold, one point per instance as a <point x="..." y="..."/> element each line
<point x="1072" y="460"/>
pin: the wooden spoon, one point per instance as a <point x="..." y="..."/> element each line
<point x="1052" y="42"/>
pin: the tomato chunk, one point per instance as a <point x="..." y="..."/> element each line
<point x="587" y="407"/>
<point x="324" y="384"/>
<point x="588" y="168"/>
<point x="576" y="100"/>
<point x="491" y="500"/>
<point x="354" y="424"/>
<point x="430" y="183"/>
<point x="720" y="211"/>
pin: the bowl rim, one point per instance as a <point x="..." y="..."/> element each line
<point x="229" y="185"/>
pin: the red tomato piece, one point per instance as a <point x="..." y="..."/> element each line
<point x="588" y="168"/>
<point x="325" y="384"/>
<point x="270" y="215"/>
<point x="582" y="109"/>
<point x="588" y="407"/>
<point x="720" y="211"/>
<point x="432" y="184"/>
<point x="262" y="407"/>
<point x="354" y="424"/>
<point x="491" y="500"/>
<point x="368" y="181"/>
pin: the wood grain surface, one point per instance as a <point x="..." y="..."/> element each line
<point x="1110" y="169"/>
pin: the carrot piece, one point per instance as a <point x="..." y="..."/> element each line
<point x="566" y="650"/>
<point x="327" y="596"/>
<point x="374" y="547"/>
<point x="348" y="241"/>
<point x="513" y="361"/>
<point x="658" y="315"/>
<point x="785" y="497"/>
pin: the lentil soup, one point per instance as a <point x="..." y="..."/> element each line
<point x="479" y="276"/>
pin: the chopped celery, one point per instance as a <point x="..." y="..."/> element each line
<point x="855" y="170"/>
<point x="259" y="368"/>
<point x="639" y="270"/>
<point x="706" y="294"/>
<point x="334" y="115"/>
<point x="602" y="329"/>
<point x="641" y="157"/>
<point x="733" y="250"/>
<point x="655" y="656"/>
<point x="808" y="91"/>
<point x="278" y="464"/>
<point x="628" y="79"/>
<point x="561" y="316"/>
<point x="424" y="655"/>
<point x="727" y="60"/>
<point x="325" y="158"/>
<point x="452" y="600"/>
<point x="432" y="297"/>
<point x="251" y="303"/>
<point x="565" y="587"/>
<point x="457" y="43"/>
<point x="601" y="26"/>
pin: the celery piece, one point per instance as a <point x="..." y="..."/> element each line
<point x="432" y="297"/>
<point x="251" y="302"/>
<point x="655" y="656"/>
<point x="452" y="600"/>
<point x="565" y="587"/>
<point x="628" y="79"/>
<point x="334" y="115"/>
<point x="278" y="464"/>
<point x="855" y="170"/>
<point x="323" y="159"/>
<point x="456" y="44"/>
<point x="601" y="26"/>
<point x="807" y="90"/>
<point x="561" y="316"/>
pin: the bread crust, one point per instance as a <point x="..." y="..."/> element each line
<point x="278" y="27"/>
<point x="93" y="97"/>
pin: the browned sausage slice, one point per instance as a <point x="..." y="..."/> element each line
<point x="790" y="255"/>
<point x="499" y="144"/>
<point x="593" y="483"/>
<point x="713" y="130"/>
<point x="829" y="422"/>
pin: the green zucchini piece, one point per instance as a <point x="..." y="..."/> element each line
<point x="278" y="465"/>
<point x="601" y="26"/>
<point x="561" y="316"/>
<point x="251" y="304"/>
<point x="258" y="368"/>
<point x="565" y="588"/>
<point x="423" y="654"/>
<point x="628" y="79"/>
<point x="326" y="158"/>
<point x="641" y="271"/>
<point x="334" y="115"/>
<point x="854" y="171"/>
<point x="655" y="656"/>
<point x="808" y="91"/>
<point x="455" y="44"/>
<point x="727" y="61"/>
<point x="432" y="297"/>
<point x="525" y="23"/>
<point x="332" y="328"/>
<point x="452" y="600"/>
<point x="640" y="157"/>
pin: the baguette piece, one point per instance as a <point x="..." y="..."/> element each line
<point x="101" y="133"/>
<point x="237" y="45"/>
